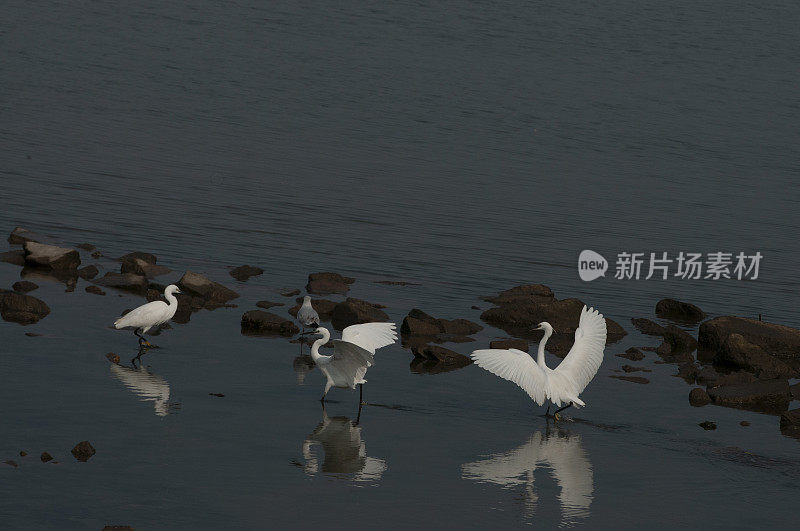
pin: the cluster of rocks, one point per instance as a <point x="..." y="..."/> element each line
<point x="197" y="292"/>
<point x="83" y="451"/>
<point x="420" y="329"/>
<point x="519" y="310"/>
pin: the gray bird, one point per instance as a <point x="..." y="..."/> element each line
<point x="307" y="315"/>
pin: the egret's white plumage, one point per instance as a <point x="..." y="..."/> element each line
<point x="565" y="382"/>
<point x="562" y="453"/>
<point x="148" y="386"/>
<point x="345" y="451"/>
<point x="307" y="315"/>
<point x="152" y="314"/>
<point x="352" y="354"/>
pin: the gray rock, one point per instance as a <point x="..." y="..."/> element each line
<point x="769" y="396"/>
<point x="20" y="236"/>
<point x="88" y="272"/>
<point x="141" y="267"/>
<point x="22" y="309"/>
<point x="123" y="281"/>
<point x="738" y="353"/>
<point x="327" y="283"/>
<point x="265" y="323"/>
<point x="679" y="311"/>
<point x="355" y="311"/>
<point x="51" y="257"/>
<point x="214" y="293"/>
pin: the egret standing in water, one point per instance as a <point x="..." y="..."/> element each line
<point x="565" y="382"/>
<point x="307" y="315"/>
<point x="352" y="354"/>
<point x="148" y="315"/>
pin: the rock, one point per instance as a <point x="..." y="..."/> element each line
<point x="679" y="311"/>
<point x="86" y="246"/>
<point x="524" y="293"/>
<point x="24" y="286"/>
<point x="790" y="423"/>
<point x="323" y="307"/>
<point x="22" y="309"/>
<point x="94" y="290"/>
<point x="631" y="368"/>
<point x="147" y="257"/>
<point x="355" y="311"/>
<point x="738" y="353"/>
<point x="20" y="236"/>
<point x="32" y="334"/>
<point x="780" y="342"/>
<point x="648" y="327"/>
<point x="123" y="281"/>
<point x="633" y="354"/>
<point x="265" y="323"/>
<point x="23" y="453"/>
<point x="45" y="457"/>
<point x="688" y="371"/>
<point x="326" y="283"/>
<point x="13" y="257"/>
<point x="213" y="293"/>
<point x="679" y="340"/>
<point x="51" y="257"/>
<point x="267" y="305"/>
<point x="475" y="307"/>
<point x="419" y="323"/>
<point x="769" y="396"/>
<point x="118" y="528"/>
<point x="113" y="358"/>
<point x="289" y="292"/>
<point x="795" y="390"/>
<point x="141" y="267"/>
<point x="634" y="379"/>
<point x="673" y="356"/>
<point x="744" y="423"/>
<point x="441" y="354"/>
<point x="11" y="462"/>
<point x="83" y="451"/>
<point x="708" y="425"/>
<point x="244" y="272"/>
<point x="521" y="309"/>
<point x="396" y="283"/>
<point x="88" y="272"/>
<point x="699" y="397"/>
<point x="218" y="395"/>
<point x="97" y="254"/>
<point x="519" y="344"/>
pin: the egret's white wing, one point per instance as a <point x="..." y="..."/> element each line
<point x="370" y="336"/>
<point x="515" y="366"/>
<point x="349" y="363"/>
<point x="586" y="354"/>
<point x="150" y="314"/>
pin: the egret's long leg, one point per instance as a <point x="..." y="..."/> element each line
<point x="142" y="341"/>
<point x="556" y="414"/>
<point x="547" y="413"/>
<point x="360" y="395"/>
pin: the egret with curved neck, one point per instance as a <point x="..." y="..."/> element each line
<point x="148" y="315"/>
<point x="565" y="382"/>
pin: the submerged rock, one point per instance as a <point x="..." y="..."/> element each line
<point x="519" y="344"/>
<point x="790" y="423"/>
<point x="94" y="290"/>
<point x="13" y="257"/>
<point x="20" y="236"/>
<point x="633" y="354"/>
<point x="51" y="257"/>
<point x="83" y="451"/>
<point x="631" y="368"/>
<point x="396" y="283"/>
<point x="699" y="397"/>
<point x="355" y="311"/>
<point x="434" y="359"/>
<point x="327" y="283"/>
<point x="86" y="246"/>
<point x="268" y="304"/>
<point x="708" y="425"/>
<point x="634" y="379"/>
<point x="45" y="457"/>
<point x="244" y="272"/>
<point x="214" y="293"/>
<point x="648" y="327"/>
<point x="769" y="396"/>
<point x="88" y="272"/>
<point x="524" y="294"/>
<point x="22" y="309"/>
<point x="123" y="281"/>
<point x="24" y="286"/>
<point x="265" y="323"/>
<point x="679" y="311"/>
<point x="140" y="266"/>
<point x="289" y="292"/>
<point x="139" y="255"/>
<point x="419" y="323"/>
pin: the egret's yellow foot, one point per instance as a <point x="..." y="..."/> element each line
<point x="556" y="416"/>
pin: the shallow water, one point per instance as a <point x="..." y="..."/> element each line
<point x="468" y="148"/>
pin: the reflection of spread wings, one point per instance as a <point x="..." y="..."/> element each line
<point x="146" y="385"/>
<point x="562" y="454"/>
<point x="345" y="452"/>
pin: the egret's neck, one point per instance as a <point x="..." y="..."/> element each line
<point x="171" y="299"/>
<point x="540" y="355"/>
<point x="318" y="343"/>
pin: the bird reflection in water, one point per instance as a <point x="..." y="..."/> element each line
<point x="146" y="385"/>
<point x="344" y="452"/>
<point x="556" y="450"/>
<point x="303" y="365"/>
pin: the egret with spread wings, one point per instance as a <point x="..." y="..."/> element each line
<point x="565" y="382"/>
<point x="352" y="355"/>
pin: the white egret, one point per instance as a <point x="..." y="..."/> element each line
<point x="148" y="315"/>
<point x="562" y="453"/>
<point x="565" y="382"/>
<point x="352" y="354"/>
<point x="307" y="315"/>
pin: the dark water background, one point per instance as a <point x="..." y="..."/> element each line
<point x="468" y="147"/>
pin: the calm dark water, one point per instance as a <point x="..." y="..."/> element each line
<point x="468" y="147"/>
